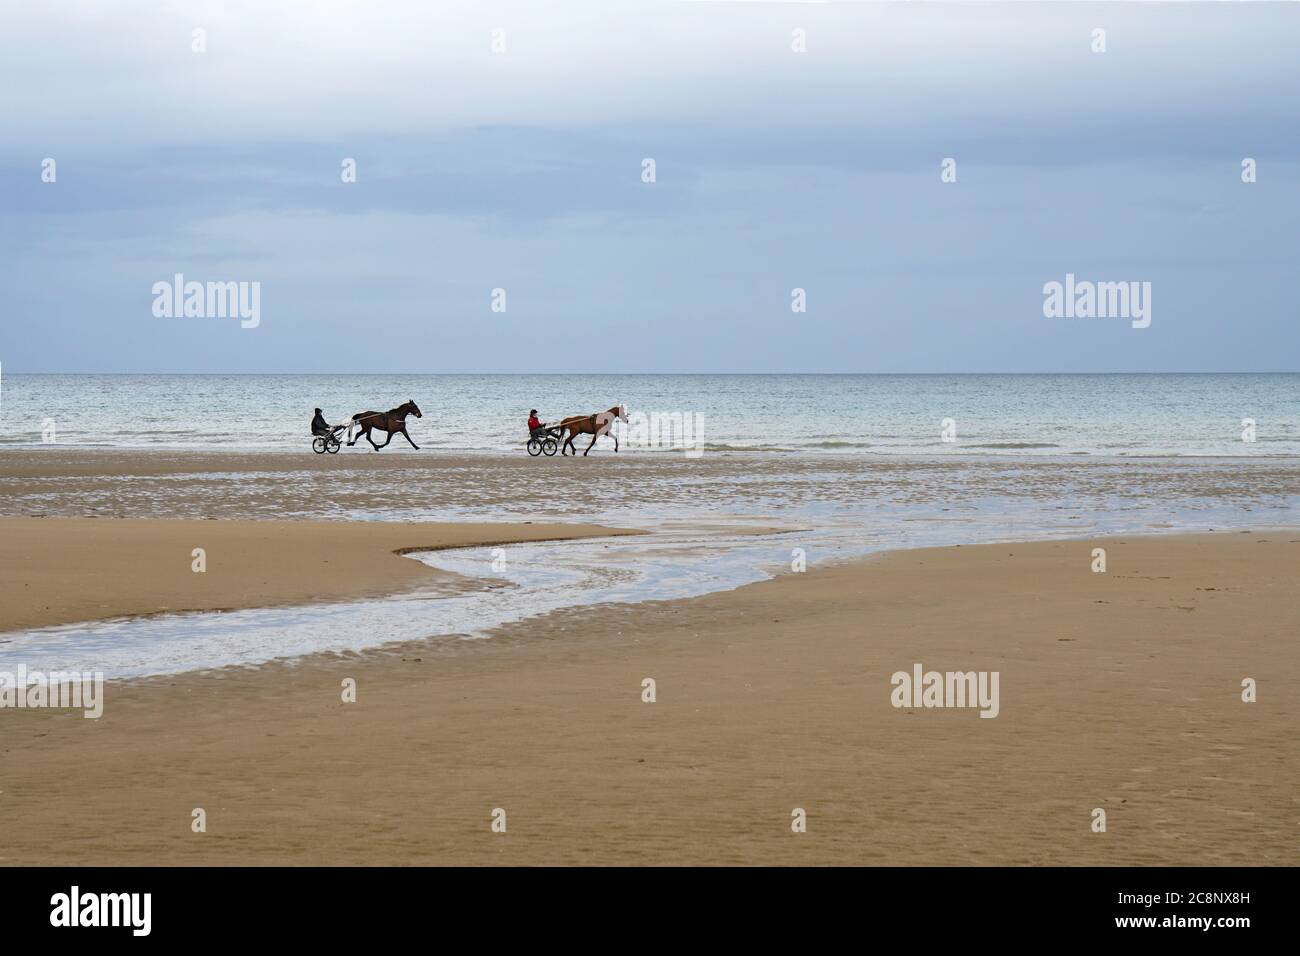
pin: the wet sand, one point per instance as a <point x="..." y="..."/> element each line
<point x="1118" y="690"/>
<point x="613" y="489"/>
<point x="64" y="570"/>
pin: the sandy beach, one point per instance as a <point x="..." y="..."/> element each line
<point x="1119" y="690"/>
<point x="64" y="570"/>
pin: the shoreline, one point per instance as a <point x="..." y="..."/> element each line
<point x="972" y="451"/>
<point x="1119" y="690"/>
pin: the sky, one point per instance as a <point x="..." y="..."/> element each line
<point x="520" y="168"/>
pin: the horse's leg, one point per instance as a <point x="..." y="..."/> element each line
<point x="594" y="436"/>
<point x="408" y="439"/>
<point x="568" y="443"/>
<point x="360" y="431"/>
<point x="386" y="441"/>
<point x="370" y="438"/>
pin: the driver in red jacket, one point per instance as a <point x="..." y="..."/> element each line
<point x="533" y="423"/>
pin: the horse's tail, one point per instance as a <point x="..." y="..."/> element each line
<point x="355" y="426"/>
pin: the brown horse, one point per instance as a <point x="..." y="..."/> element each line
<point x="593" y="425"/>
<point x="392" y="422"/>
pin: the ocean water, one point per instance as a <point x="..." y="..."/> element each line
<point x="1016" y="415"/>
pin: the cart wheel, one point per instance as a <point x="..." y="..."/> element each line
<point x="550" y="447"/>
<point x="318" y="445"/>
<point x="534" y="447"/>
<point x="332" y="446"/>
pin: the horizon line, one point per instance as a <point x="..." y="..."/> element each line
<point x="660" y="374"/>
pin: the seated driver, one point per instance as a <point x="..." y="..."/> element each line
<point x="319" y="426"/>
<point x="533" y="423"/>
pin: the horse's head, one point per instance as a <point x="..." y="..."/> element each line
<point x="619" y="412"/>
<point x="411" y="408"/>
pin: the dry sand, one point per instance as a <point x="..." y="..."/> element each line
<point x="1119" y="690"/>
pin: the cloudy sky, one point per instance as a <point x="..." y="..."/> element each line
<point x="522" y="169"/>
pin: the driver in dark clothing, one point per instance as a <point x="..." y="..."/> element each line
<point x="319" y="426"/>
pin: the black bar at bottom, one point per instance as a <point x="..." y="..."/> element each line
<point x="234" y="904"/>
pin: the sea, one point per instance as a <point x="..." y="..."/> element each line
<point x="1234" y="415"/>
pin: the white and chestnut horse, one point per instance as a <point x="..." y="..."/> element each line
<point x="593" y="425"/>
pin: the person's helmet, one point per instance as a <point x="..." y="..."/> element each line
<point x="533" y="412"/>
<point x="318" y="411"/>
